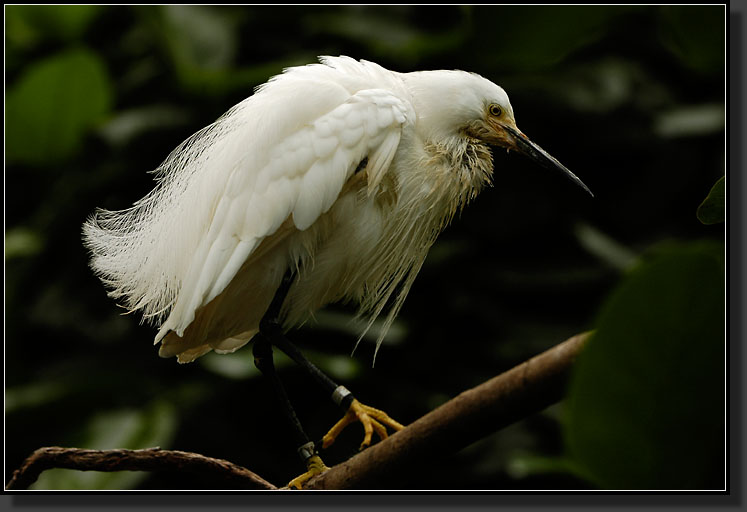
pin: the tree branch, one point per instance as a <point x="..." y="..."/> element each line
<point x="520" y="392"/>
<point x="150" y="459"/>
<point x="524" y="390"/>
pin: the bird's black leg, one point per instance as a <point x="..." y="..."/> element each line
<point x="271" y="333"/>
<point x="263" y="360"/>
<point x="270" y="328"/>
<point x="262" y="351"/>
<point x="339" y="394"/>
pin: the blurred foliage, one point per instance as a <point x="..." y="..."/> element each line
<point x="690" y="34"/>
<point x="98" y="95"/>
<point x="152" y="426"/>
<point x="49" y="126"/>
<point x="651" y="380"/>
<point x="713" y="208"/>
<point x="22" y="242"/>
<point x="31" y="25"/>
<point x="548" y="35"/>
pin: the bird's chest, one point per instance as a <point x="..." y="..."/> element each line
<point x="368" y="243"/>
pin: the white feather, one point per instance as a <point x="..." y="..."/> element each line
<point x="272" y="185"/>
<point x="233" y="192"/>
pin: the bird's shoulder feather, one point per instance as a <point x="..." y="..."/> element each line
<point x="299" y="177"/>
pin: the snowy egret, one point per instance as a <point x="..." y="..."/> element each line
<point x="330" y="183"/>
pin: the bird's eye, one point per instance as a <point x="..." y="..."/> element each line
<point x="495" y="110"/>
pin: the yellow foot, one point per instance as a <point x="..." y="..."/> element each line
<point x="373" y="420"/>
<point x="315" y="467"/>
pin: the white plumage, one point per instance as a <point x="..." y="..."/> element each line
<point x="343" y="170"/>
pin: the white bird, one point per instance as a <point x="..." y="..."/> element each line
<point x="343" y="172"/>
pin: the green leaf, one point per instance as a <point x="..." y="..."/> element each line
<point x="33" y="395"/>
<point x="695" y="34"/>
<point x="119" y="429"/>
<point x="646" y="401"/>
<point x="340" y="367"/>
<point x="200" y="36"/>
<point x="713" y="208"/>
<point x="522" y="465"/>
<point x="604" y="247"/>
<point x="240" y="364"/>
<point x="27" y="25"/>
<point x="691" y="121"/>
<point x="536" y="37"/>
<point x="22" y="242"/>
<point x="201" y="42"/>
<point x="128" y="124"/>
<point x="54" y="104"/>
<point x="387" y="33"/>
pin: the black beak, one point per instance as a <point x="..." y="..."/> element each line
<point x="542" y="157"/>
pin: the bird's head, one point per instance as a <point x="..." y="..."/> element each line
<point x="461" y="104"/>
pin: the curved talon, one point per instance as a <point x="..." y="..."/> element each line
<point x="315" y="466"/>
<point x="375" y="426"/>
<point x="373" y="420"/>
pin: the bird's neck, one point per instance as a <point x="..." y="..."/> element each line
<point x="466" y="162"/>
<point x="439" y="182"/>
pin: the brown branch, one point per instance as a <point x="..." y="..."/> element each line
<point x="495" y="404"/>
<point x="151" y="459"/>
<point x="524" y="390"/>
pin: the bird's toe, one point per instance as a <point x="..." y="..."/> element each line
<point x="315" y="466"/>
<point x="373" y="421"/>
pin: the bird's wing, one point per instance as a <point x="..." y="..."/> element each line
<point x="301" y="179"/>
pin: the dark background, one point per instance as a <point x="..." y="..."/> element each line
<point x="631" y="99"/>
